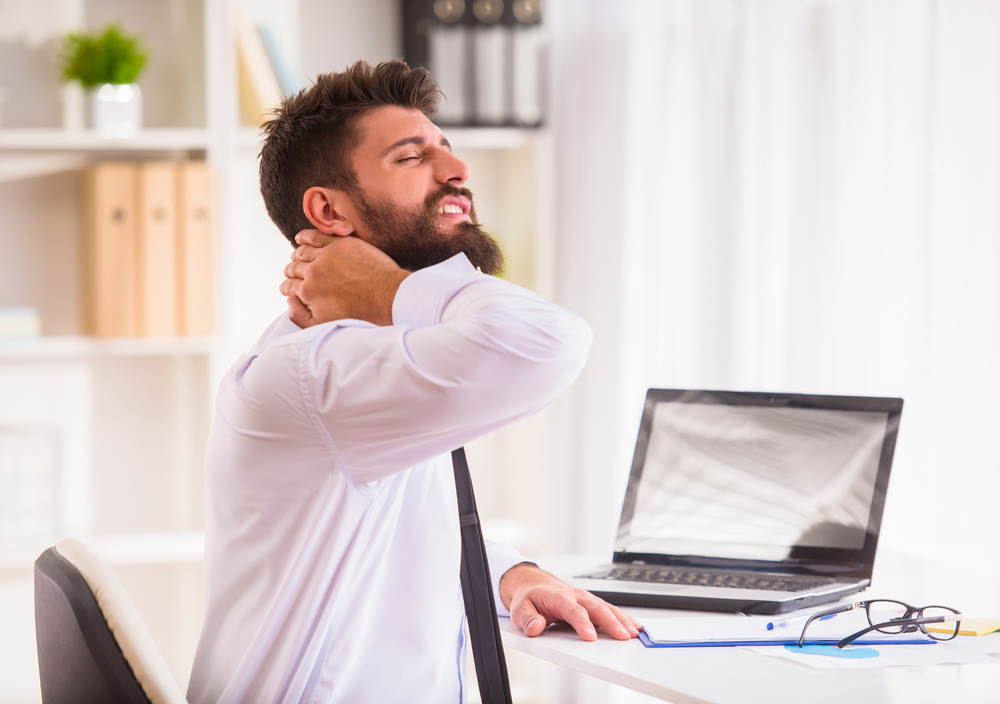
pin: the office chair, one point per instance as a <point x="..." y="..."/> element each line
<point x="92" y="643"/>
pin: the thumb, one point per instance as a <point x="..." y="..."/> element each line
<point x="299" y="314"/>
<point x="527" y="617"/>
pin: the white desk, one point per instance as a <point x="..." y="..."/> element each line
<point x="737" y="676"/>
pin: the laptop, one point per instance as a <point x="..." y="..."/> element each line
<point x="759" y="503"/>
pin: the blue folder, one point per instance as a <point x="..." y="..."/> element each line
<point x="649" y="643"/>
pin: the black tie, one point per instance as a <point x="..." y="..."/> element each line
<point x="480" y="609"/>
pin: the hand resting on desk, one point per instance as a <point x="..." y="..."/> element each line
<point x="536" y="599"/>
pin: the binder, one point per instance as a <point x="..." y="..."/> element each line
<point x="487" y="57"/>
<point x="650" y="643"/>
<point x="195" y="287"/>
<point x="724" y="631"/>
<point x="448" y="48"/>
<point x="109" y="256"/>
<point x="492" y="62"/>
<point x="527" y="74"/>
<point x="156" y="249"/>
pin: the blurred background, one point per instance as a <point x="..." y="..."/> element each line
<point x="773" y="195"/>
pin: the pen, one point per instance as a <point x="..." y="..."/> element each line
<point x="785" y="622"/>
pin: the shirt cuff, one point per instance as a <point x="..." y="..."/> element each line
<point x="501" y="557"/>
<point x="422" y="294"/>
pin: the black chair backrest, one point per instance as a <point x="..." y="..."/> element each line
<point x="79" y="660"/>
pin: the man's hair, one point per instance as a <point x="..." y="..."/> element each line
<point x="312" y="135"/>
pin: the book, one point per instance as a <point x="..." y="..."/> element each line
<point x="156" y="249"/>
<point x="195" y="289"/>
<point x="258" y="85"/>
<point x="109" y="256"/>
<point x="29" y="484"/>
<point x="289" y="79"/>
<point x="19" y="323"/>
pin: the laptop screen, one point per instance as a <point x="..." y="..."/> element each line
<point x="759" y="477"/>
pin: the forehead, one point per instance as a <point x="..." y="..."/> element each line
<point x="386" y="126"/>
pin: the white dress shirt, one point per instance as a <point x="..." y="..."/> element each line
<point x="332" y="544"/>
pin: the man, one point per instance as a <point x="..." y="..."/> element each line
<point x="332" y="537"/>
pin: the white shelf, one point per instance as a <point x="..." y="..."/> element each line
<point x="81" y="347"/>
<point x="48" y="140"/>
<point x="169" y="547"/>
<point x="460" y="137"/>
<point x="490" y="137"/>
<point x="247" y="138"/>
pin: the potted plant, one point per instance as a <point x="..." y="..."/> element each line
<point x="107" y="65"/>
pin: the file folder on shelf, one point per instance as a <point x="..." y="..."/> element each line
<point x="194" y="249"/>
<point x="156" y="249"/>
<point x="109" y="258"/>
<point x="147" y="249"/>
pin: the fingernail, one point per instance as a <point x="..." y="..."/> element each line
<point x="530" y="624"/>
<point x="622" y="631"/>
<point x="591" y="632"/>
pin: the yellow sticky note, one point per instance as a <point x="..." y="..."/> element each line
<point x="969" y="627"/>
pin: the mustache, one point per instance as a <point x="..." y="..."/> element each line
<point x="432" y="201"/>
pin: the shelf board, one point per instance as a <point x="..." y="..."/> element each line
<point x="168" y="547"/>
<point x="82" y="347"/>
<point x="48" y="140"/>
<point x="490" y="137"/>
<point x="247" y="138"/>
<point x="460" y="137"/>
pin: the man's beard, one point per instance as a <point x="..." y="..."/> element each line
<point x="415" y="238"/>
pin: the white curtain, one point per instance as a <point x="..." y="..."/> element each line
<point x="786" y="195"/>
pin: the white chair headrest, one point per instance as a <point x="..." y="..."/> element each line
<point x="125" y="623"/>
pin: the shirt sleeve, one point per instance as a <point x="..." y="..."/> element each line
<point x="501" y="557"/>
<point x="467" y="353"/>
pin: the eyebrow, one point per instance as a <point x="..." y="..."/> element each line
<point x="413" y="140"/>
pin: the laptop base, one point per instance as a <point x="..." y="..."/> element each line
<point x="746" y="606"/>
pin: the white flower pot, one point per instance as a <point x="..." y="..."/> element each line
<point x="116" y="109"/>
<point x="73" y="112"/>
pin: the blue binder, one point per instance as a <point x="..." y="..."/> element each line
<point x="649" y="643"/>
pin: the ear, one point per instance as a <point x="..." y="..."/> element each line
<point x="324" y="208"/>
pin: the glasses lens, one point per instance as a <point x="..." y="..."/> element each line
<point x="883" y="613"/>
<point x="947" y="629"/>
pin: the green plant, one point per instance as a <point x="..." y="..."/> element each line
<point x="109" y="57"/>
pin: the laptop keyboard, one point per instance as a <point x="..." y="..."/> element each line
<point x="657" y="574"/>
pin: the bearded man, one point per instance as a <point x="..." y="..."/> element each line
<point x="332" y="543"/>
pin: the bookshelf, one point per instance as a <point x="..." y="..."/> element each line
<point x="127" y="418"/>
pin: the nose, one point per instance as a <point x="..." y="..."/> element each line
<point x="451" y="169"/>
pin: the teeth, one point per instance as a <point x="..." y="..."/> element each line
<point x="450" y="209"/>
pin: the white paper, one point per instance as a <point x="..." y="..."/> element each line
<point x="961" y="651"/>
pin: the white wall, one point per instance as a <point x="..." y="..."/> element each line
<point x="787" y="196"/>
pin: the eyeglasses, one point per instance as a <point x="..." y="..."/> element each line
<point x="888" y="616"/>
